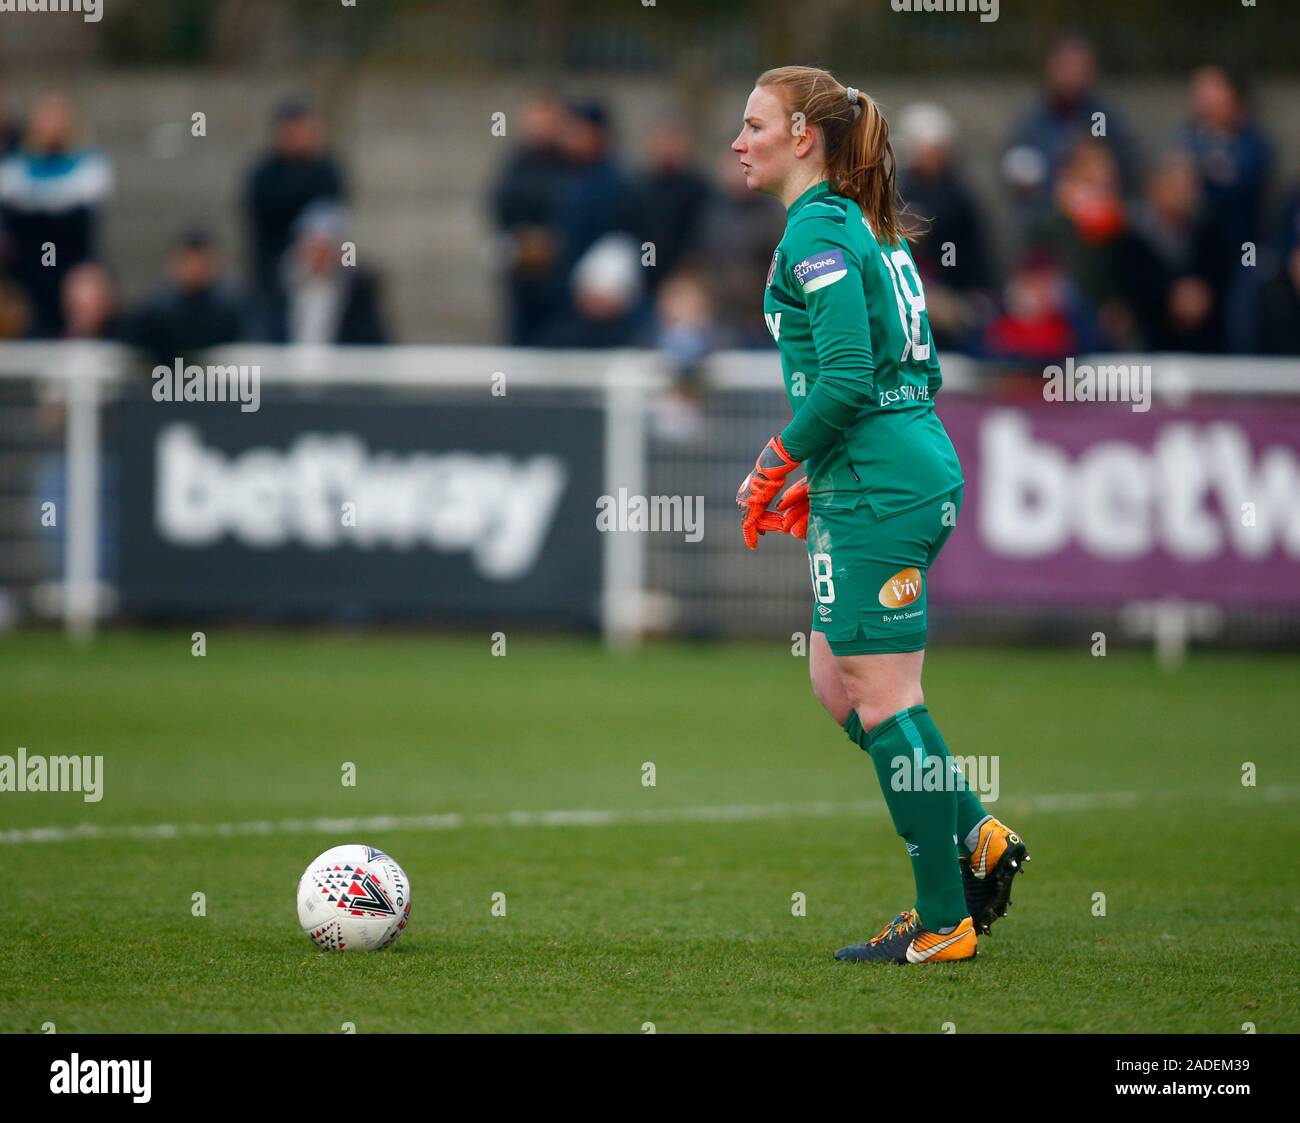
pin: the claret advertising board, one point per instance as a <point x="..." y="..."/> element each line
<point x="1095" y="504"/>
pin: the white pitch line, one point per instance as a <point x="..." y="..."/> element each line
<point x="722" y="813"/>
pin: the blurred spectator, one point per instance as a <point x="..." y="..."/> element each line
<point x="595" y="197"/>
<point x="15" y="310"/>
<point x="685" y="334"/>
<point x="11" y="131"/>
<point x="1066" y="112"/>
<point x="685" y="331"/>
<point x="1288" y="234"/>
<point x="295" y="173"/>
<point x="1041" y="323"/>
<point x="320" y="299"/>
<point x="740" y="232"/>
<point x="594" y="208"/>
<point x="1279" y="310"/>
<point x="51" y="193"/>
<point x="90" y="308"/>
<point x="1187" y="312"/>
<point x="1088" y="232"/>
<point x="523" y="207"/>
<point x="1233" y="159"/>
<point x="192" y="308"/>
<point x="605" y="303"/>
<point x="1278" y="316"/>
<point x="950" y="251"/>
<point x="671" y="197"/>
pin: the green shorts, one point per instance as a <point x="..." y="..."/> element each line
<point x="869" y="574"/>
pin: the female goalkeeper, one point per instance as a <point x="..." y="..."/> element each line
<point x="881" y="491"/>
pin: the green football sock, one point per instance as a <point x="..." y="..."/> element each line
<point x="924" y="813"/>
<point x="970" y="811"/>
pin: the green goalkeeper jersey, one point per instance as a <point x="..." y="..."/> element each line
<point x="848" y="317"/>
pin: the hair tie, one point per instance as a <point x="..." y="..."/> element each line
<point x="853" y="101"/>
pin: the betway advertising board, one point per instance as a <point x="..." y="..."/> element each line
<point x="1094" y="504"/>
<point x="362" y="505"/>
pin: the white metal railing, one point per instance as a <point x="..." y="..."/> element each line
<point x="86" y="374"/>
<point x="432" y="365"/>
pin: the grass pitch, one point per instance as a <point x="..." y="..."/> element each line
<point x="676" y="907"/>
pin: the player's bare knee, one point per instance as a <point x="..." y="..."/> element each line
<point x="876" y="709"/>
<point x="872" y="715"/>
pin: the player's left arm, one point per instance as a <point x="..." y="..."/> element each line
<point x="829" y="271"/>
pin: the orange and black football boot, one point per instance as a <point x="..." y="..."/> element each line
<point x="987" y="874"/>
<point x="903" y="940"/>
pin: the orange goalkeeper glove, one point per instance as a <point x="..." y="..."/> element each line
<point x="793" y="509"/>
<point x="760" y="487"/>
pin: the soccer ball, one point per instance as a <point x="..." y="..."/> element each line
<point x="353" y="898"/>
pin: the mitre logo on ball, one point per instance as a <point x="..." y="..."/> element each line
<point x="354" y="898"/>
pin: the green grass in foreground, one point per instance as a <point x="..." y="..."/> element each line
<point x="686" y="924"/>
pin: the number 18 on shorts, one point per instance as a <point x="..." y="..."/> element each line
<point x="869" y="575"/>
